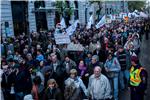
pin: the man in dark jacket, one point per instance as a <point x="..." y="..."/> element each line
<point x="123" y="57"/>
<point x="95" y="62"/>
<point x="68" y="65"/>
<point x="58" y="71"/>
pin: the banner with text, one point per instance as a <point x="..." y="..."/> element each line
<point x="62" y="38"/>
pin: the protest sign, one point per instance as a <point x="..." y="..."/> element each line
<point x="75" y="47"/>
<point x="62" y="38"/>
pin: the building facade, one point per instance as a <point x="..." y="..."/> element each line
<point x="114" y="7"/>
<point x="32" y="15"/>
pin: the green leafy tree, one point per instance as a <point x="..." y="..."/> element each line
<point x="64" y="10"/>
<point x="136" y="5"/>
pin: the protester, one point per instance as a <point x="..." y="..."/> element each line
<point x="37" y="89"/>
<point x="123" y="57"/>
<point x="69" y="64"/>
<point x="99" y="87"/>
<point x="58" y="71"/>
<point x="52" y="91"/>
<point x="82" y="72"/>
<point x="95" y="62"/>
<point x="79" y="85"/>
<point x="41" y="56"/>
<point x="112" y="68"/>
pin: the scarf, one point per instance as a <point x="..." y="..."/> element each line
<point x="82" y="69"/>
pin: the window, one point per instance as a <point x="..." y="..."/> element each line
<point x="6" y="24"/>
<point x="41" y="22"/>
<point x="19" y="15"/>
<point x="76" y="10"/>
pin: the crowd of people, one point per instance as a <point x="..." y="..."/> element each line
<point x="36" y="67"/>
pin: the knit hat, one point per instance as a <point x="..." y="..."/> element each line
<point x="135" y="59"/>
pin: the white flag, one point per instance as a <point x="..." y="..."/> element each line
<point x="62" y="23"/>
<point x="72" y="28"/>
<point x="90" y="22"/>
<point x="142" y="14"/>
<point x="101" y="22"/>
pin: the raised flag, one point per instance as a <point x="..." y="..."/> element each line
<point x="90" y="22"/>
<point x="72" y="28"/>
<point x="101" y="22"/>
<point x="62" y="23"/>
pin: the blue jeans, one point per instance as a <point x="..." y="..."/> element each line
<point x="19" y="95"/>
<point x="123" y="74"/>
<point x="114" y="85"/>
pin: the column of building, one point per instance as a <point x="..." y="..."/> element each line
<point x="31" y="16"/>
<point x="82" y="11"/>
<point x="50" y="15"/>
<point x="6" y="18"/>
<point x="72" y="5"/>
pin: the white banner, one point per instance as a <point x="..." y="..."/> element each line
<point x="62" y="38"/>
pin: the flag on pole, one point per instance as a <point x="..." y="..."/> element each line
<point x="142" y="14"/>
<point x="62" y="23"/>
<point x="72" y="28"/>
<point x="90" y="22"/>
<point x="101" y="22"/>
